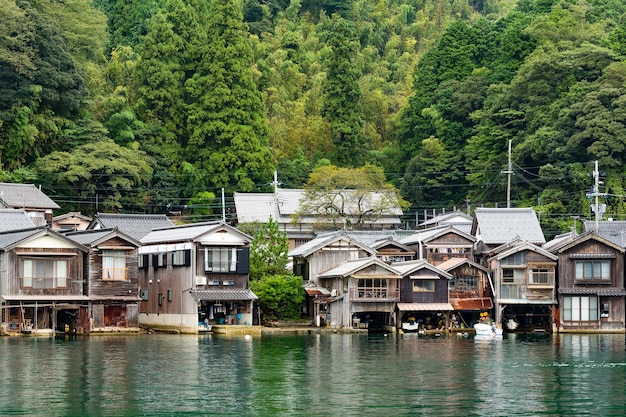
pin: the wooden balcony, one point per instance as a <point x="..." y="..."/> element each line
<point x="375" y="294"/>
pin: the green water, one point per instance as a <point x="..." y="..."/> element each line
<point x="313" y="375"/>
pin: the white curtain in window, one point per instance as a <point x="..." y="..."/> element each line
<point x="27" y="278"/>
<point x="233" y="260"/>
<point x="61" y="273"/>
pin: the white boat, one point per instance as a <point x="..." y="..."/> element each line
<point x="483" y="329"/>
<point x="511" y="324"/>
<point x="410" y="326"/>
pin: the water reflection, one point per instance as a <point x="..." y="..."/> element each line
<point x="313" y="375"/>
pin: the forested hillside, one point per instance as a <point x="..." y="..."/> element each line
<point x="142" y="106"/>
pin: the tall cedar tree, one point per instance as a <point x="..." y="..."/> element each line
<point x="228" y="138"/>
<point x="342" y="104"/>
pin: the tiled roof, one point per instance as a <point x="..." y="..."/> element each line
<point x="615" y="231"/>
<point x="91" y="237"/>
<point x="224" y="295"/>
<point x="10" y="238"/>
<point x="11" y="219"/>
<point x="24" y="196"/>
<point x="322" y="240"/>
<point x="134" y="225"/>
<point x="607" y="292"/>
<point x="349" y="267"/>
<point x="495" y="226"/>
<point x="410" y="267"/>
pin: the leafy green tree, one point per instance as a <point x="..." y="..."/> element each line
<point x="342" y="103"/>
<point x="227" y="129"/>
<point x="280" y="293"/>
<point x="280" y="297"/>
<point x="99" y="172"/>
<point x="268" y="251"/>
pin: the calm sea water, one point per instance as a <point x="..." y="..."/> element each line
<point x="313" y="375"/>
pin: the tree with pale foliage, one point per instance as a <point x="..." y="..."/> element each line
<point x="349" y="197"/>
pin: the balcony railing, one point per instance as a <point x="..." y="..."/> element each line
<point x="375" y="294"/>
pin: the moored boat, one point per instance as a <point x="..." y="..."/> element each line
<point x="484" y="329"/>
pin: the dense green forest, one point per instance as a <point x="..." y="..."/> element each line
<point x="142" y="106"/>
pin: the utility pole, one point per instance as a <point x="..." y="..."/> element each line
<point x="509" y="172"/>
<point x="596" y="193"/>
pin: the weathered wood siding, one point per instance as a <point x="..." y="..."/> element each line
<point x="567" y="265"/>
<point x="111" y="288"/>
<point x="13" y="265"/>
<point x="407" y="295"/>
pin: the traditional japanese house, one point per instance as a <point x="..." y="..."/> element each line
<point x="389" y="250"/>
<point x="470" y="290"/>
<point x="316" y="256"/>
<point x="195" y="274"/>
<point x="31" y="199"/>
<point x="591" y="284"/>
<point x="456" y="218"/>
<point x="423" y="294"/>
<point x="111" y="278"/>
<point x="42" y="282"/>
<point x="13" y="219"/>
<point x="363" y="292"/>
<point x="441" y="243"/>
<point x="525" y="286"/>
<point x="71" y="221"/>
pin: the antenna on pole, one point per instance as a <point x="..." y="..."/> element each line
<point x="509" y="172"/>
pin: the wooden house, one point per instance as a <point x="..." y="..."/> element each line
<point x="456" y="218"/>
<point x="438" y="244"/>
<point x="192" y="273"/>
<point x="423" y="294"/>
<point x="389" y="250"/>
<point x="42" y="282"/>
<point x="73" y="220"/>
<point x="364" y="292"/>
<point x="524" y="277"/>
<point x="29" y="198"/>
<point x="591" y="284"/>
<point x="470" y="290"/>
<point x="111" y="279"/>
<point x="317" y="256"/>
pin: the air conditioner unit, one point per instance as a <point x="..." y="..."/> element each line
<point x="333" y="293"/>
<point x="200" y="280"/>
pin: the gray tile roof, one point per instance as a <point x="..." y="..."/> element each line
<point x="308" y="248"/>
<point x="11" y="219"/>
<point x="94" y="237"/>
<point x="8" y="239"/>
<point x="24" y="196"/>
<point x="495" y="226"/>
<point x="614" y="231"/>
<point x="134" y="225"/>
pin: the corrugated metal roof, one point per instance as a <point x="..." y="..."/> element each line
<point x="25" y="196"/>
<point x="425" y="307"/>
<point x="502" y="225"/>
<point x="134" y="225"/>
<point x="12" y="219"/>
<point x="224" y="295"/>
<point x="471" y="304"/>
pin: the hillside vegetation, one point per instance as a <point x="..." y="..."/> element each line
<point x="156" y="106"/>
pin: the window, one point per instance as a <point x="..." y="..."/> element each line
<point x="159" y="260"/>
<point x="44" y="273"/>
<point x="513" y="275"/>
<point x="372" y="288"/>
<point x="466" y="283"/>
<point x="518" y="258"/>
<point x="580" y="308"/>
<point x="114" y="265"/>
<point x="228" y="283"/>
<point x="595" y="270"/>
<point x="604" y="313"/>
<point x="541" y="276"/>
<point x="181" y="257"/>
<point x="423" y="285"/>
<point x="142" y="261"/>
<point x="220" y="260"/>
